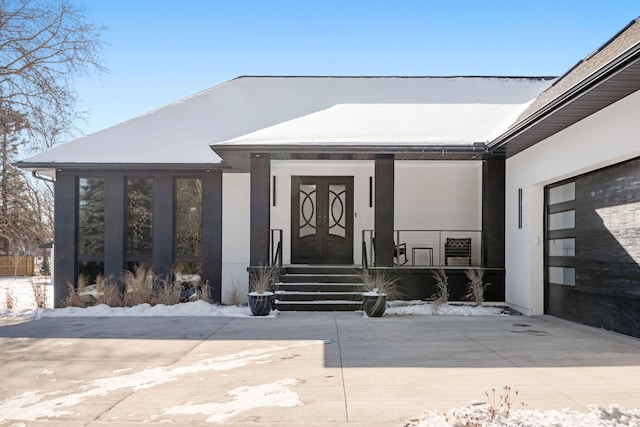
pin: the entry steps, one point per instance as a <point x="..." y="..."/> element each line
<point x="319" y="288"/>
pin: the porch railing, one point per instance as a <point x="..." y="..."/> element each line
<point x="425" y="248"/>
<point x="275" y="247"/>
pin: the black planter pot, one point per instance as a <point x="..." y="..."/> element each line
<point x="260" y="304"/>
<point x="374" y="305"/>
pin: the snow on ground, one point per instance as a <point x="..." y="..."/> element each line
<point x="482" y="415"/>
<point x="21" y="290"/>
<point x="36" y="404"/>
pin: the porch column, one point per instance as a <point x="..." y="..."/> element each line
<point x="493" y="213"/>
<point x="163" y="225"/>
<point x="64" y="249"/>
<point x="260" y="169"/>
<point x="384" y="200"/>
<point x="212" y="232"/>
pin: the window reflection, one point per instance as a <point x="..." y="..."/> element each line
<point x="91" y="216"/>
<point x="562" y="247"/>
<point x="562" y="276"/>
<point x="188" y="217"/>
<point x="562" y="193"/>
<point x="139" y="216"/>
<point x="562" y="220"/>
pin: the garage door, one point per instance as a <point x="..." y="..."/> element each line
<point x="592" y="252"/>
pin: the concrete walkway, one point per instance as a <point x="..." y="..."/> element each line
<point x="312" y="369"/>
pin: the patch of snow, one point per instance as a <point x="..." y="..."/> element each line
<point x="195" y="308"/>
<point x="453" y="309"/>
<point x="245" y="398"/>
<point x="20" y="290"/>
<point x="482" y="415"/>
<point x="32" y="405"/>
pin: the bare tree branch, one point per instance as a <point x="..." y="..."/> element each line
<point x="44" y="46"/>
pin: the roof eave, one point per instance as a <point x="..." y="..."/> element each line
<point x="59" y="166"/>
<point x="237" y="157"/>
<point x="523" y="133"/>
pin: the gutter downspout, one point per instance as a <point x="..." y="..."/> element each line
<point x="43" y="178"/>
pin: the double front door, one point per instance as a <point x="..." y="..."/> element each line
<point x="322" y="219"/>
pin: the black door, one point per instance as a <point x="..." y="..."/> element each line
<point x="322" y="220"/>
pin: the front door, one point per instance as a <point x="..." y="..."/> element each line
<point x="322" y="219"/>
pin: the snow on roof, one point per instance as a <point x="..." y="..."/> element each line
<point x="182" y="132"/>
<point x="407" y="124"/>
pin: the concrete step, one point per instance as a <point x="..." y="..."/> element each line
<point x="290" y="296"/>
<point x="319" y="278"/>
<point x="319" y="287"/>
<point x="329" y="305"/>
<point x="321" y="269"/>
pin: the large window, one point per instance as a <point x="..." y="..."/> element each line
<point x="560" y="232"/>
<point x="139" y="222"/>
<point x="188" y="229"/>
<point x="90" y="228"/>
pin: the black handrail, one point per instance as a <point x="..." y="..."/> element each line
<point x="365" y="263"/>
<point x="276" y="255"/>
<point x="277" y="260"/>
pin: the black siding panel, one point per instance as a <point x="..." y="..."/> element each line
<point x="212" y="233"/>
<point x="163" y="211"/>
<point x="384" y="213"/>
<point x="64" y="235"/>
<point x="260" y="210"/>
<point x="493" y="213"/>
<point x="607" y="289"/>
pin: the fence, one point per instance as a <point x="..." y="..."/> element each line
<point x="25" y="266"/>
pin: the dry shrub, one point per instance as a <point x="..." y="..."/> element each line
<point x="167" y="292"/>
<point x="39" y="292"/>
<point x="441" y="296"/>
<point x="73" y="293"/>
<point x="234" y="296"/>
<point x="9" y="299"/>
<point x="73" y="297"/>
<point x="203" y="292"/>
<point x="111" y="296"/>
<point x="100" y="283"/>
<point x="138" y="286"/>
<point x="476" y="286"/>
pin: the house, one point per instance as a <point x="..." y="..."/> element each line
<point x="533" y="179"/>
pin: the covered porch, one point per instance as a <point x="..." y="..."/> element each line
<point x="386" y="186"/>
<point x="387" y="194"/>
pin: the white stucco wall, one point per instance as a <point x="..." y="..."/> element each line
<point x="235" y="233"/>
<point x="438" y="195"/>
<point x="609" y="136"/>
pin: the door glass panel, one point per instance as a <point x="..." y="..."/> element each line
<point x="562" y="220"/>
<point x="562" y="276"/>
<point x="562" y="193"/>
<point x="337" y="206"/>
<point x="307" y="221"/>
<point x="562" y="247"/>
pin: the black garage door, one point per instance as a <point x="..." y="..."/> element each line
<point x="592" y="252"/>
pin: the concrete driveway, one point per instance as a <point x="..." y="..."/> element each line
<point x="314" y="369"/>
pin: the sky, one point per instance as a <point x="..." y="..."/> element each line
<point x="160" y="51"/>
